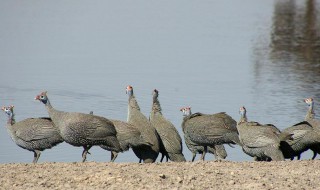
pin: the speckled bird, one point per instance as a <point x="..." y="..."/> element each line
<point x="33" y="134"/>
<point x="170" y="140"/>
<point x="80" y="129"/>
<point x="208" y="129"/>
<point x="258" y="141"/>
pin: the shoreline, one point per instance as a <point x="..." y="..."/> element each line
<point x="302" y="174"/>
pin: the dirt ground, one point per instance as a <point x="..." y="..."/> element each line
<point x="197" y="175"/>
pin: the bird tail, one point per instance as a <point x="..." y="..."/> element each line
<point x="220" y="152"/>
<point x="177" y="157"/>
<point x="111" y="144"/>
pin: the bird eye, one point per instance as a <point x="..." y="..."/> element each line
<point x="41" y="96"/>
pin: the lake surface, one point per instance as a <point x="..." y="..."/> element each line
<point x="211" y="55"/>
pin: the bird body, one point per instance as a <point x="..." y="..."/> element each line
<point x="204" y="130"/>
<point x="209" y="129"/>
<point x="257" y="140"/>
<point x="169" y="136"/>
<point x="33" y="134"/>
<point x="303" y="137"/>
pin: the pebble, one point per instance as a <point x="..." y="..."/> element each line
<point x="162" y="176"/>
<point x="231" y="182"/>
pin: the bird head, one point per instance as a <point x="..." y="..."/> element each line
<point x="186" y="111"/>
<point x="129" y="90"/>
<point x="155" y="93"/>
<point x="8" y="110"/>
<point x="309" y="101"/>
<point x="242" y="111"/>
<point x="42" y="97"/>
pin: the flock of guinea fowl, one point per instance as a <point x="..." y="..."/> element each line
<point x="148" y="137"/>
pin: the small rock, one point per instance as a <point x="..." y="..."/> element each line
<point x="179" y="180"/>
<point x="162" y="176"/>
<point x="232" y="173"/>
<point x="231" y="182"/>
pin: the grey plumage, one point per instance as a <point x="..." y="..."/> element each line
<point x="304" y="137"/>
<point x="33" y="134"/>
<point x="148" y="154"/>
<point x="208" y="130"/>
<point x="171" y="143"/>
<point x="79" y="129"/>
<point x="315" y="123"/>
<point x="218" y="151"/>
<point x="128" y="137"/>
<point x="257" y="140"/>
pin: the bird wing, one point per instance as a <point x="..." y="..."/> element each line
<point x="259" y="141"/>
<point x="35" y="129"/>
<point x="298" y="135"/>
<point x="90" y="127"/>
<point x="206" y="128"/>
<point x="299" y="131"/>
<point x="168" y="133"/>
<point x="255" y="135"/>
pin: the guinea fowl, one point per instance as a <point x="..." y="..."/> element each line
<point x="218" y="151"/>
<point x="315" y="123"/>
<point x="148" y="154"/>
<point x="33" y="134"/>
<point x="127" y="135"/>
<point x="80" y="129"/>
<point x="258" y="141"/>
<point x="170" y="140"/>
<point x="303" y="138"/>
<point x="208" y="130"/>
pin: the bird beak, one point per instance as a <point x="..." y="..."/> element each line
<point x="37" y="98"/>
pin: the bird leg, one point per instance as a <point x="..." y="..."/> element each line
<point x="114" y="155"/>
<point x="36" y="156"/>
<point x="162" y="156"/>
<point x="193" y="156"/>
<point x="85" y="152"/>
<point x="314" y="155"/>
<point x="204" y="153"/>
<point x="298" y="157"/>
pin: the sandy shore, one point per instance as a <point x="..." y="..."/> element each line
<point x="198" y="175"/>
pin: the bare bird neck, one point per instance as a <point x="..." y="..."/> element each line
<point x="11" y="130"/>
<point x="53" y="113"/>
<point x="49" y="106"/>
<point x="310" y="113"/>
<point x="156" y="107"/>
<point x="133" y="103"/>
<point x="11" y="120"/>
<point x="243" y="118"/>
<point x="187" y="114"/>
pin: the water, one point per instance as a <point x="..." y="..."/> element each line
<point x="211" y="55"/>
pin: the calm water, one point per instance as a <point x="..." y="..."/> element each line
<point x="212" y="55"/>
